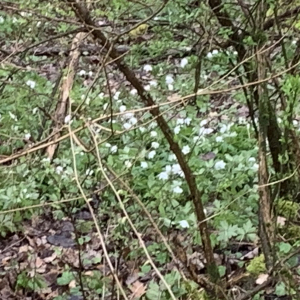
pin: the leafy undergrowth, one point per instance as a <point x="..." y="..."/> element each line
<point x="110" y="214"/>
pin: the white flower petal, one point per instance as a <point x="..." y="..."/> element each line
<point x="170" y="87"/>
<point x="154" y="145"/>
<point x="147" y="68"/>
<point x="59" y="169"/>
<point x="187" y="121"/>
<point x="127" y="126"/>
<point x="132" y="121"/>
<point x="180" y="121"/>
<point x="220" y="165"/>
<point x="184" y="224"/>
<point x="122" y="108"/>
<point x="177" y="129"/>
<point x="183" y="62"/>
<point x="133" y="92"/>
<point x="177" y="190"/>
<point x="153" y="133"/>
<point x="169" y="79"/>
<point x="163" y="176"/>
<point x="30" y="83"/>
<point x="114" y="149"/>
<point x="186" y="149"/>
<point x="144" y="164"/>
<point x="151" y="154"/>
<point x="117" y="95"/>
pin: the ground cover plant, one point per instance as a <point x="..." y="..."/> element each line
<point x="149" y="150"/>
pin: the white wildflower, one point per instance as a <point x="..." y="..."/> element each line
<point x="295" y="122"/>
<point x="177" y="190"/>
<point x="59" y="169"/>
<point x="203" y="122"/>
<point x="153" y="83"/>
<point x="225" y="128"/>
<point x="183" y="62"/>
<point x="117" y="95"/>
<point x="170" y="87"/>
<point x="27" y="136"/>
<point x="144" y="164"/>
<point x="133" y="92"/>
<point x="107" y="145"/>
<point x="220" y="165"/>
<point x="163" y="176"/>
<point x="176" y="169"/>
<point x="90" y="73"/>
<point x="154" y="145"/>
<point x="172" y="157"/>
<point x="81" y="73"/>
<point x="187" y="121"/>
<point x="31" y="84"/>
<point x="184" y="224"/>
<point x="215" y="52"/>
<point x="168" y="169"/>
<point x="294" y="42"/>
<point x="142" y="129"/>
<point x="209" y="55"/>
<point x="147" y="87"/>
<point x="186" y="149"/>
<point x="153" y="133"/>
<point x="255" y="167"/>
<point x="122" y="108"/>
<point x="114" y="149"/>
<point x="133" y="121"/>
<point x="127" y="163"/>
<point x="177" y="129"/>
<point x="252" y="159"/>
<point x="169" y="79"/>
<point x="151" y="154"/>
<point x="219" y="139"/>
<point x="128" y="115"/>
<point x="235" y="53"/>
<point x="127" y="126"/>
<point x="147" y="68"/>
<point x="180" y="121"/>
<point x="205" y="131"/>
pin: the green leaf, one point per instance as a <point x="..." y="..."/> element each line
<point x="65" y="278"/>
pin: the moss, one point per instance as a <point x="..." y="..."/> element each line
<point x="257" y="265"/>
<point x="288" y="209"/>
<point x="291" y="232"/>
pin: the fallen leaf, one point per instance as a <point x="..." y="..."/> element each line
<point x="262" y="278"/>
<point x="138" y="289"/>
<point x="281" y="221"/>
